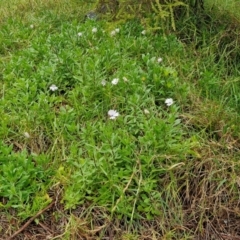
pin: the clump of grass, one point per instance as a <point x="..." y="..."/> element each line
<point x="122" y="128"/>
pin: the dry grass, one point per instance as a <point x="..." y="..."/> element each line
<point x="26" y="9"/>
<point x="230" y="6"/>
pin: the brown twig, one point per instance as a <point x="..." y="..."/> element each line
<point x="47" y="229"/>
<point x="226" y="236"/>
<point x="30" y="220"/>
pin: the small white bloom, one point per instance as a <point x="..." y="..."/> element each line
<point x="159" y="60"/>
<point x="94" y="30"/>
<point x="146" y="111"/>
<point x="80" y="34"/>
<point x="125" y="79"/>
<point x="103" y="82"/>
<point x="113" y="114"/>
<point x="31" y="26"/>
<point x="113" y="33"/>
<point x="53" y="87"/>
<point x="169" y="101"/>
<point x="115" y="81"/>
<point x="26" y="135"/>
<point x="143" y="32"/>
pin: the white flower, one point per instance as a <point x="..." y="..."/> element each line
<point x="115" y="81"/>
<point x="143" y="32"/>
<point x="159" y="60"/>
<point x="80" y="34"/>
<point x="125" y="79"/>
<point x="103" y="82"/>
<point x="113" y="33"/>
<point x="31" y="26"/>
<point x="169" y="101"/>
<point x="94" y="30"/>
<point x="53" y="87"/>
<point x="146" y="111"/>
<point x="113" y="114"/>
<point x="26" y="135"/>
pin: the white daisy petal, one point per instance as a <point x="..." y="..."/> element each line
<point x="103" y="82"/>
<point x="53" y="87"/>
<point x="26" y="135"/>
<point x="113" y="114"/>
<point x="115" y="81"/>
<point x="169" y="101"/>
<point x="94" y="30"/>
<point x="146" y="111"/>
<point x="113" y="33"/>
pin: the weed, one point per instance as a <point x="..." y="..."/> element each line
<point x="131" y="134"/>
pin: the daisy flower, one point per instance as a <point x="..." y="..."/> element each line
<point x="94" y="30"/>
<point x="113" y="114"/>
<point x="115" y="81"/>
<point x="26" y="135"/>
<point x="169" y="101"/>
<point x="113" y="33"/>
<point x="159" y="60"/>
<point x="103" y="82"/>
<point x="146" y="111"/>
<point x="53" y="87"/>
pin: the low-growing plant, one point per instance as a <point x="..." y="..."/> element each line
<point x="23" y="180"/>
<point x="128" y="132"/>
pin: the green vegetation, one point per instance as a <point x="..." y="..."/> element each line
<point x="117" y="129"/>
<point x="224" y="6"/>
